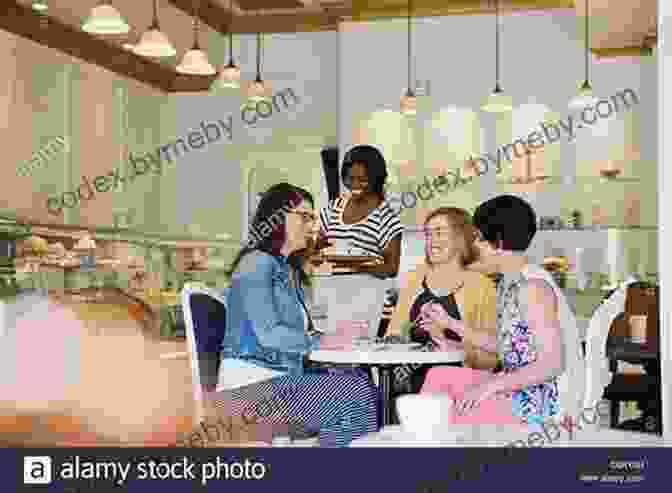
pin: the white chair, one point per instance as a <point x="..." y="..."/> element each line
<point x="205" y="322"/>
<point x="598" y="375"/>
<point x="204" y="312"/>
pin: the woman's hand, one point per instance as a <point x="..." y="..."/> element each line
<point x="435" y="320"/>
<point x="474" y="395"/>
<point x="352" y="328"/>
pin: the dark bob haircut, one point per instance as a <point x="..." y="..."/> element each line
<point x="506" y="222"/>
<point x="271" y="215"/>
<point x="375" y="165"/>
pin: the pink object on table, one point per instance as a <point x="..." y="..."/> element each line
<point x="452" y="381"/>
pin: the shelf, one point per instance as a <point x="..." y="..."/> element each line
<point x="605" y="228"/>
<point x="571" y="181"/>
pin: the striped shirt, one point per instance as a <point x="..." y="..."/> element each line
<point x="371" y="235"/>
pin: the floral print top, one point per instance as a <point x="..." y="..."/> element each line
<point x="517" y="348"/>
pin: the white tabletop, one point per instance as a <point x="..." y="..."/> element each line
<point x="504" y="436"/>
<point x="386" y="357"/>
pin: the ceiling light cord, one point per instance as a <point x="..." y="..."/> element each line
<point x="497" y="81"/>
<point x="410" y="9"/>
<point x="587" y="46"/>
<point x="258" y="56"/>
<point x="155" y="18"/>
<point x="196" y="47"/>
<point x="231" y="33"/>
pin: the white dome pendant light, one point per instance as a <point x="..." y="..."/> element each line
<point x="409" y="103"/>
<point x="105" y="19"/>
<point x="497" y="102"/>
<point x="195" y="61"/>
<point x="229" y="77"/>
<point x="153" y="42"/>
<point x="258" y="91"/>
<point x="585" y="96"/>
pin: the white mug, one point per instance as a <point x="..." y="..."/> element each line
<point x="425" y="415"/>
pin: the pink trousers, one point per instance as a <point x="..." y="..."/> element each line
<point x="453" y="380"/>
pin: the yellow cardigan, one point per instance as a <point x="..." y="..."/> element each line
<point x="477" y="303"/>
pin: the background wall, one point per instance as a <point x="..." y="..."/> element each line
<point x="542" y="65"/>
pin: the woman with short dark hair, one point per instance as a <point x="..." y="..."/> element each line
<point x="537" y="340"/>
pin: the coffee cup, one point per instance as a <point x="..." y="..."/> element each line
<point x="638" y="329"/>
<point x="425" y="415"/>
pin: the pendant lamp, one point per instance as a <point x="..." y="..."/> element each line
<point x="195" y="61"/>
<point x="585" y="96"/>
<point x="497" y="102"/>
<point x="153" y="42"/>
<point x="105" y="19"/>
<point x="258" y="91"/>
<point x="409" y="104"/>
<point x="229" y="77"/>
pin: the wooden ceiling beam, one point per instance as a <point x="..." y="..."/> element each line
<point x="209" y="12"/>
<point x="285" y="23"/>
<point x="627" y="51"/>
<point x="363" y="10"/>
<point x="54" y="33"/>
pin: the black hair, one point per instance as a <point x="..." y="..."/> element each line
<point x="271" y="215"/>
<point x="506" y="221"/>
<point x="375" y="166"/>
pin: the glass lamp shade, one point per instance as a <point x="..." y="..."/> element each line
<point x="257" y="91"/>
<point x="497" y="102"/>
<point x="409" y="104"/>
<point x="154" y="43"/>
<point x="105" y="19"/>
<point x="583" y="99"/>
<point x="195" y="62"/>
<point x="229" y="77"/>
<point x="40" y="5"/>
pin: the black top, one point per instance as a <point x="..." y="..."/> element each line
<point x="447" y="302"/>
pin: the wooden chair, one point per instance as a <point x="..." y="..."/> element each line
<point x="641" y="299"/>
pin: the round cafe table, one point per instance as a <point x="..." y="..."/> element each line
<point x="386" y="358"/>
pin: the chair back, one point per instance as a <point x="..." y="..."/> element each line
<point x="598" y="374"/>
<point x="205" y="319"/>
<point x="641" y="299"/>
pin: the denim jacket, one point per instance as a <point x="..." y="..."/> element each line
<point x="265" y="320"/>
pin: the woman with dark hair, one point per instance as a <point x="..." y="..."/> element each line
<point x="537" y="340"/>
<point x="269" y="331"/>
<point x="362" y="218"/>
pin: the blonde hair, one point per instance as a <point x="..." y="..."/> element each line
<point x="461" y="220"/>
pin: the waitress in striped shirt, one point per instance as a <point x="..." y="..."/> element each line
<point x="362" y="220"/>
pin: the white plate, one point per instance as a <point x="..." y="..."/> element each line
<point x="404" y="347"/>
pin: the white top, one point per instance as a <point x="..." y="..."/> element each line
<point x="235" y="373"/>
<point x="387" y="357"/>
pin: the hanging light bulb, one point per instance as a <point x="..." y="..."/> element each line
<point x="229" y="77"/>
<point x="153" y="42"/>
<point x="409" y="103"/>
<point x="258" y="91"/>
<point x="195" y="61"/>
<point x="585" y="97"/>
<point x="497" y="102"/>
<point x="105" y="19"/>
